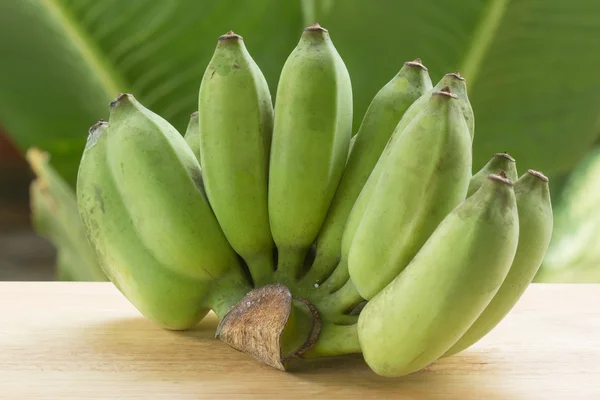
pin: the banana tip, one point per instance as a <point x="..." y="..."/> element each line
<point x="500" y="177"/>
<point x="194" y="115"/>
<point x="505" y="155"/>
<point x="230" y="36"/>
<point x="445" y="92"/>
<point x="316" y="27"/>
<point x="456" y="75"/>
<point x="120" y="98"/>
<point x="97" y="125"/>
<point x="537" y="174"/>
<point x="416" y="63"/>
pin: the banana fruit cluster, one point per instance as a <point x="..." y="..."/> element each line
<point x="395" y="247"/>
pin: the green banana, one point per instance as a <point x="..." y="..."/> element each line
<point x="433" y="302"/>
<point x="457" y="85"/>
<point x="311" y="136"/>
<point x="236" y="123"/>
<point x="192" y="138"/>
<point x="535" y="229"/>
<point x="192" y="135"/>
<point x="382" y="116"/>
<point x="305" y="240"/>
<point x="499" y="162"/>
<point x="424" y="177"/>
<point x="340" y="275"/>
<point x="148" y="221"/>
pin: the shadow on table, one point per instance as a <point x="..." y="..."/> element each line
<point x="444" y="379"/>
<point x="139" y="347"/>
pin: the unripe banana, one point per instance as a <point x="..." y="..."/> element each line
<point x="340" y="275"/>
<point x="192" y="135"/>
<point x="425" y="176"/>
<point x="499" y="162"/>
<point x="236" y="124"/>
<point x="457" y="85"/>
<point x="535" y="231"/>
<point x="311" y="135"/>
<point x="433" y="302"/>
<point x="377" y="126"/>
<point x="161" y="157"/>
<point x="152" y="229"/>
<point x="161" y="295"/>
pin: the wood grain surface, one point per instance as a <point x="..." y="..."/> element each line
<point x="85" y="341"/>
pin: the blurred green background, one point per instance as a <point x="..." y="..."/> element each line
<point x="530" y="65"/>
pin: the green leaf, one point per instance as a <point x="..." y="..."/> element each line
<point x="64" y="60"/>
<point x="574" y="253"/>
<point x="531" y="66"/>
<point x="55" y="216"/>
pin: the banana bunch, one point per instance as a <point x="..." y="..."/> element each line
<point x="304" y="239"/>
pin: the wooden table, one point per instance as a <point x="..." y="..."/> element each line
<point x="85" y="341"/>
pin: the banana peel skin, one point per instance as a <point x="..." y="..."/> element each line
<point x="235" y="128"/>
<point x="535" y="230"/>
<point x="457" y="85"/>
<point x="425" y="176"/>
<point x="434" y="301"/>
<point x="164" y="262"/>
<point x="306" y="241"/>
<point x="382" y="116"/>
<point x="192" y="135"/>
<point x="311" y="136"/>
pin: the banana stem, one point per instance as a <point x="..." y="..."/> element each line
<point x="289" y="263"/>
<point x="319" y="272"/>
<point x="227" y="291"/>
<point x="261" y="268"/>
<point x="335" y="340"/>
<point x="338" y="278"/>
<point x="341" y="301"/>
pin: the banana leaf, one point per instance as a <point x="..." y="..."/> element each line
<point x="64" y="60"/>
<point x="530" y="65"/>
<point x="574" y="253"/>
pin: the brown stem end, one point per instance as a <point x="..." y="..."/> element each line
<point x="445" y="91"/>
<point x="456" y="75"/>
<point x="505" y="155"/>
<point x="538" y="175"/>
<point x="316" y="27"/>
<point x="256" y="323"/>
<point x="416" y="63"/>
<point x="500" y="177"/>
<point x="231" y="35"/>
